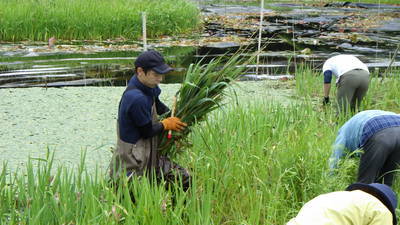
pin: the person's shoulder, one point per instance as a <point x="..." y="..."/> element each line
<point x="134" y="93"/>
<point x="375" y="112"/>
<point x="370" y="111"/>
<point x="135" y="96"/>
<point x="342" y="57"/>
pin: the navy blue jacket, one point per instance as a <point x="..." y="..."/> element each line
<point x="135" y="111"/>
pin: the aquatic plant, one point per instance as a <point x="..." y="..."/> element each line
<point x="382" y="93"/>
<point x="253" y="161"/>
<point x="201" y="92"/>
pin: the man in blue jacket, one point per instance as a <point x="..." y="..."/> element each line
<point x="138" y="127"/>
<point x="377" y="134"/>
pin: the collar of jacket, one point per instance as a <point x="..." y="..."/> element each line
<point x="152" y="92"/>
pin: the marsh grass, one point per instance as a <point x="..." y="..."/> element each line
<point x="253" y="162"/>
<point x="382" y="93"/>
<point x="202" y="91"/>
<point x="94" y="19"/>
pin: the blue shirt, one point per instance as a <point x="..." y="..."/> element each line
<point x="135" y="110"/>
<point x="355" y="132"/>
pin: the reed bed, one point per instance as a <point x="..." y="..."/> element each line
<point x="201" y="92"/>
<point x="251" y="164"/>
<point x="254" y="162"/>
<point x="94" y="19"/>
<point x="383" y="93"/>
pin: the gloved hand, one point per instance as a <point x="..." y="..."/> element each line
<point x="325" y="101"/>
<point x="173" y="123"/>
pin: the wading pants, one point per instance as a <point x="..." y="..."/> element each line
<point x="142" y="158"/>
<point x="351" y="89"/>
<point x="381" y="157"/>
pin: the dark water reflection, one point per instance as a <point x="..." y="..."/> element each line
<point x="292" y="34"/>
<point x="95" y="69"/>
<point x="116" y="68"/>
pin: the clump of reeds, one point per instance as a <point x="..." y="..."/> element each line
<point x="201" y="92"/>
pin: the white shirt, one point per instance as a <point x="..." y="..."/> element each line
<point x="342" y="64"/>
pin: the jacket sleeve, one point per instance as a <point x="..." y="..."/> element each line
<point x="338" y="151"/>
<point x="150" y="130"/>
<point x="327" y="77"/>
<point x="161" y="107"/>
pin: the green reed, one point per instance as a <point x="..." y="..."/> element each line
<point x="253" y="162"/>
<point x="382" y="92"/>
<point x="94" y="19"/>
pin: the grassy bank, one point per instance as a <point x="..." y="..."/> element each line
<point x="94" y="19"/>
<point x="254" y="162"/>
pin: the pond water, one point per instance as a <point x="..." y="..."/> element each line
<point x="38" y="66"/>
<point x="291" y="34"/>
<point x="68" y="120"/>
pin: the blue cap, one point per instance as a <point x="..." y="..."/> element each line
<point x="153" y="60"/>
<point x="381" y="191"/>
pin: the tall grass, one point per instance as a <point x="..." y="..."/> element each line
<point x="94" y="19"/>
<point x="201" y="92"/>
<point x="254" y="162"/>
<point x="382" y="93"/>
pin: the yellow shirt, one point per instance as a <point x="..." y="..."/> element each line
<point x="343" y="208"/>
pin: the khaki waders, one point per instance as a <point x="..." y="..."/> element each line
<point x="351" y="89"/>
<point x="142" y="157"/>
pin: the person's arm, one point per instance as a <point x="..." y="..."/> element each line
<point x="153" y="129"/>
<point x="338" y="151"/>
<point x="150" y="129"/>
<point x="327" y="85"/>
<point x="337" y="154"/>
<point x="161" y="107"/>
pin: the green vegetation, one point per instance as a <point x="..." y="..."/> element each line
<point x="254" y="162"/>
<point x="201" y="92"/>
<point x="94" y="19"/>
<point x="382" y="92"/>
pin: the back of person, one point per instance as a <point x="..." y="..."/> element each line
<point x="342" y="64"/>
<point x="352" y="81"/>
<point x="344" y="208"/>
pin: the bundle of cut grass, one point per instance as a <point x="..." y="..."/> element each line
<point x="201" y="92"/>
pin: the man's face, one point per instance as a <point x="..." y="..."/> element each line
<point x="151" y="79"/>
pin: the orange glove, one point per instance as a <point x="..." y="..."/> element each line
<point x="173" y="123"/>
